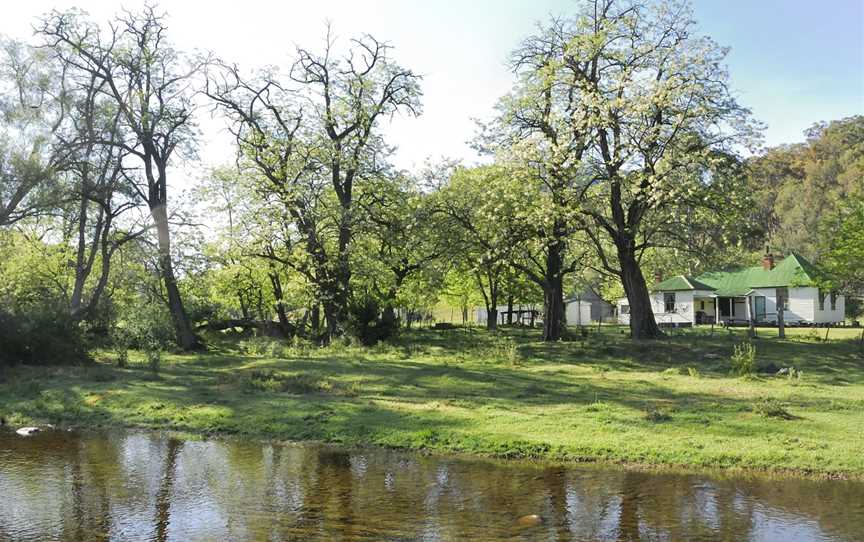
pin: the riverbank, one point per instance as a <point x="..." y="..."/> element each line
<point x="604" y="398"/>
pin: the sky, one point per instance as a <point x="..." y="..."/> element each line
<point x="793" y="62"/>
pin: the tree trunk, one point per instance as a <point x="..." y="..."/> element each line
<point x="278" y="295"/>
<point x="492" y="318"/>
<point x="553" y="293"/>
<point x="553" y="310"/>
<point x="510" y="310"/>
<point x="316" y="319"/>
<point x="186" y="338"/>
<point x="642" y="323"/>
<point x="80" y="268"/>
<point x="781" y="318"/>
<point x="332" y="321"/>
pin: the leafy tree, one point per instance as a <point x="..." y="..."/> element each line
<point x="482" y="208"/>
<point x="402" y="224"/>
<point x="801" y="188"/>
<point x="844" y="253"/>
<point x="33" y="113"/>
<point x="651" y="103"/>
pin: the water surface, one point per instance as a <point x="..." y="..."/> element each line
<point x="152" y="487"/>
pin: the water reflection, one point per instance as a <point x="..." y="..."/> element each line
<point x="145" y="486"/>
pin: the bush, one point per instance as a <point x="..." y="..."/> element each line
<point x="505" y="349"/>
<point x="122" y="358"/>
<point x="41" y="335"/>
<point x="146" y="326"/>
<point x="265" y="347"/>
<point x="743" y="359"/>
<point x="365" y="322"/>
<point x="772" y="408"/>
<point x="655" y="414"/>
<point x="153" y="357"/>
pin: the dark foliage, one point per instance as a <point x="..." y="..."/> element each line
<point x="365" y="322"/>
<point x="44" y="335"/>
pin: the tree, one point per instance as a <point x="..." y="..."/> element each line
<point x="314" y="137"/>
<point x="33" y="110"/>
<point x="653" y="104"/>
<point x="151" y="86"/>
<point x="483" y="216"/>
<point x="535" y="138"/>
<point x="844" y="253"/>
<point x="402" y="224"/>
<point x="801" y="188"/>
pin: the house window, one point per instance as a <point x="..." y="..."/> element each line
<point x="625" y="309"/>
<point x="833" y="301"/>
<point x="821" y="300"/>
<point x="669" y="302"/>
<point x="784" y="294"/>
<point x="701" y="305"/>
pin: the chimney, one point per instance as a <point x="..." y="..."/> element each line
<point x="658" y="277"/>
<point x="768" y="259"/>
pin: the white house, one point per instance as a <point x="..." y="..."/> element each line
<point x="742" y="295"/>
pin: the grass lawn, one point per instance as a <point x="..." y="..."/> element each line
<point x="602" y="398"/>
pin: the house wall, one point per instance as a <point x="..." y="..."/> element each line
<point x="827" y="316"/>
<point x="683" y="308"/>
<point x="600" y="308"/>
<point x="803" y="306"/>
<point x="770" y="295"/>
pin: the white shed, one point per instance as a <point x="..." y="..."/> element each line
<point x="577" y="312"/>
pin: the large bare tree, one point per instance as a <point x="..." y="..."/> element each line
<point x="150" y="84"/>
<point x="313" y="136"/>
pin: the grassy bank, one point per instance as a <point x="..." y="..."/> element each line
<point x="603" y="398"/>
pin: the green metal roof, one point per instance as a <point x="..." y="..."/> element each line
<point x="680" y="283"/>
<point x="793" y="270"/>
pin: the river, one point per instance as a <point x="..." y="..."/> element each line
<point x="150" y="486"/>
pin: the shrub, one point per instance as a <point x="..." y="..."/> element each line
<point x="694" y="372"/>
<point x="671" y="371"/>
<point x="656" y="415"/>
<point x="743" y="359"/>
<point x="263" y="346"/>
<point x="122" y="358"/>
<point x="504" y="349"/>
<point x="365" y="322"/>
<point x="147" y="325"/>
<point x="772" y="408"/>
<point x="153" y="358"/>
<point x="41" y="335"/>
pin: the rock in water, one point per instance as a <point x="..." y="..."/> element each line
<point x="529" y="521"/>
<point x="28" y="431"/>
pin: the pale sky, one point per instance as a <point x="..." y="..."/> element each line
<point x="793" y="62"/>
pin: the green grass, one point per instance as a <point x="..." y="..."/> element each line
<point x="601" y="398"/>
